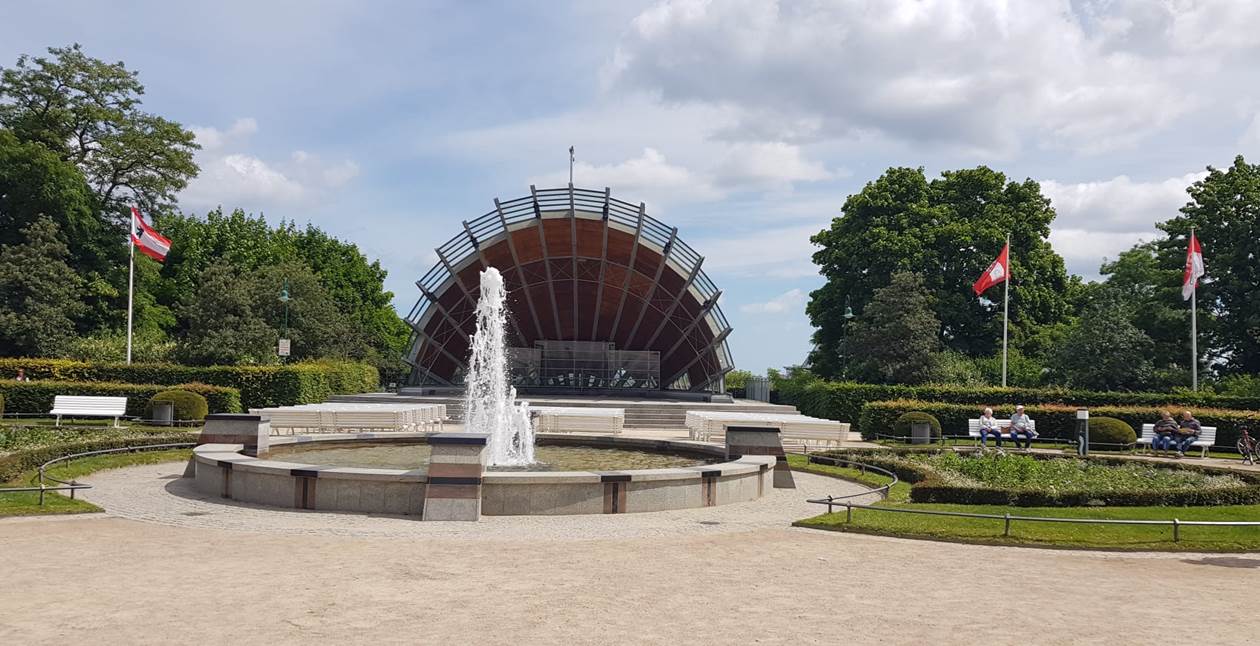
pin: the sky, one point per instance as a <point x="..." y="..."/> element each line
<point x="745" y="123"/>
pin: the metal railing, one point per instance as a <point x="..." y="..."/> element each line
<point x="1007" y="518"/>
<point x="74" y="485"/>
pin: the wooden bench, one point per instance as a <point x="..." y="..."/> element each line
<point x="973" y="428"/>
<point x="85" y="406"/>
<point x="1207" y="437"/>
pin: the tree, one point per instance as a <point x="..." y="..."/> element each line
<point x="1151" y="291"/>
<point x="1224" y="210"/>
<point x="1104" y="350"/>
<point x="317" y="326"/>
<point x="39" y="293"/>
<point x="88" y="113"/>
<point x="947" y="230"/>
<point x="894" y="337"/>
<point x="222" y="325"/>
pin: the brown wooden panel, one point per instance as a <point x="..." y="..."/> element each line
<point x="535" y="273"/>
<point x="470" y="276"/>
<point x="608" y="308"/>
<point x="528" y="247"/>
<point x="541" y="294"/>
<point x="564" y="303"/>
<point x="671" y="282"/>
<point x="559" y="237"/>
<point x="499" y="256"/>
<point x="590" y="238"/>
<point x="518" y="308"/>
<point x="651" y="318"/>
<point x="619" y="246"/>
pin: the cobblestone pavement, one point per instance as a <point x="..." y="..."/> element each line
<point x="157" y="494"/>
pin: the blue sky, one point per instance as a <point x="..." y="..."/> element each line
<point x="745" y="123"/>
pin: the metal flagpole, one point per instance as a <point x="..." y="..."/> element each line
<point x="1006" y="306"/>
<point x="572" y="158"/>
<point x="131" y="278"/>
<point x="1194" y="321"/>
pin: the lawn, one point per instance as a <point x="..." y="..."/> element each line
<point x="25" y="504"/>
<point x="1118" y="537"/>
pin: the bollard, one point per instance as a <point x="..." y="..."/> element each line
<point x="829" y="499"/>
<point x="41" y="494"/>
<point x="1176" y="531"/>
<point x="1007" y="530"/>
<point x="848" y="516"/>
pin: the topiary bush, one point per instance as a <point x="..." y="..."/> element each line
<point x="36" y="397"/>
<point x="1110" y="433"/>
<point x="901" y="427"/>
<point x="189" y="406"/>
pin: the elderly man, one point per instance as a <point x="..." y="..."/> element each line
<point x="1022" y="427"/>
<point x="1187" y="433"/>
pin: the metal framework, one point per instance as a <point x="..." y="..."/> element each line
<point x="580" y="265"/>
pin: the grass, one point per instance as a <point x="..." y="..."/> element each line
<point x="1066" y="535"/>
<point x="27" y="503"/>
<point x="27" y="434"/>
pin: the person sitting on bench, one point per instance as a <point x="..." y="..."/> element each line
<point x="1021" y="426"/>
<point x="1187" y="433"/>
<point x="989" y="426"/>
<point x="1165" y="428"/>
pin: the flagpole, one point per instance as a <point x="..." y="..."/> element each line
<point x="1006" y="307"/>
<point x="131" y="279"/>
<point x="1194" y="324"/>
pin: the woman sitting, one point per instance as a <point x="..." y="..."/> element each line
<point x="989" y="426"/>
<point x="1165" y="428"/>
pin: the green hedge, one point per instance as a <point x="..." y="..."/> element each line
<point x="1053" y="421"/>
<point x="189" y="406"/>
<point x="928" y="487"/>
<point x="36" y="397"/>
<point x="1111" y="433"/>
<point x="901" y="426"/>
<point x="259" y="386"/>
<point x="843" y="401"/>
<point x="13" y="465"/>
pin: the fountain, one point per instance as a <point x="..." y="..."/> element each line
<point x="490" y="405"/>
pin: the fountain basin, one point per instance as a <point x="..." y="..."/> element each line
<point x="222" y="470"/>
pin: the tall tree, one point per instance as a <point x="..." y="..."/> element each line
<point x="222" y="324"/>
<point x="1150" y="289"/>
<point x="1103" y="349"/>
<point x="948" y="230"/>
<point x="39" y="293"/>
<point x="894" y="339"/>
<point x="88" y="112"/>
<point x="1224" y="210"/>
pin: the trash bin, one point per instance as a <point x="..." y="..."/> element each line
<point x="163" y="413"/>
<point x="920" y="433"/>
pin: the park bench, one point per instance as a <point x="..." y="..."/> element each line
<point x="85" y="406"/>
<point x="973" y="428"/>
<point x="1207" y="437"/>
<point x="559" y="419"/>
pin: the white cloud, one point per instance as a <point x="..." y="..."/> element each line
<point x="1118" y="204"/>
<point x="991" y="75"/>
<point x="774" y="252"/>
<point x="650" y="175"/>
<point x="231" y="176"/>
<point x="1083" y="250"/>
<point x="788" y="301"/>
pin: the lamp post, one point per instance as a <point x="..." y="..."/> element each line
<point x="283" y="349"/>
<point x="844" y="335"/>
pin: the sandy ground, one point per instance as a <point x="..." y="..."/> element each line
<point x="115" y="580"/>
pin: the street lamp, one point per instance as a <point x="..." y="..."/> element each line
<point x="844" y="335"/>
<point x="283" y="349"/>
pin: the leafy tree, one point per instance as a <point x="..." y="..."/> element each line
<point x="1224" y="209"/>
<point x="1104" y="350"/>
<point x="317" y="326"/>
<point x="948" y="230"/>
<point x="223" y="326"/>
<point x="895" y="336"/>
<point x="88" y="113"/>
<point x="1151" y="290"/>
<point x="737" y="379"/>
<point x="39" y="293"/>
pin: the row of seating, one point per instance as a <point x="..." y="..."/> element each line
<point x="559" y="419"/>
<point x="707" y="425"/>
<point x="338" y="417"/>
<point x="1207" y="435"/>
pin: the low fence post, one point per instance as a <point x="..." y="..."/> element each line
<point x="1007" y="530"/>
<point x="1176" y="530"/>
<point x="829" y="505"/>
<point x="848" y="516"/>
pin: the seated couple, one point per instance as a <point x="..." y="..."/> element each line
<point x="1172" y="434"/>
<point x="1020" y="427"/>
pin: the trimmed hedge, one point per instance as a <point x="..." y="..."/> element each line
<point x="901" y="426"/>
<point x="13" y="465"/>
<point x="1053" y="421"/>
<point x="36" y="397"/>
<point x="259" y="386"/>
<point x="1110" y="433"/>
<point x="189" y="406"/>
<point x="843" y="400"/>
<point x="928" y="487"/>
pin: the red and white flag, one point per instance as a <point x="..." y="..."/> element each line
<point x="998" y="272"/>
<point x="147" y="240"/>
<point x="1194" y="268"/>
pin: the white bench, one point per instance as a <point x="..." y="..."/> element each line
<point x="705" y="425"/>
<point x="1004" y="427"/>
<point x="335" y="417"/>
<point x="559" y="419"/>
<point x="1207" y="437"/>
<point x="84" y="406"/>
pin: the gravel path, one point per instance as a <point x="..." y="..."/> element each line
<point x="153" y="574"/>
<point x="156" y="494"/>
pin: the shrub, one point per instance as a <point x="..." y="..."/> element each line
<point x="901" y="427"/>
<point x="259" y="386"/>
<point x="843" y="401"/>
<point x="189" y="406"/>
<point x="1053" y="421"/>
<point x="1" y="405"/>
<point x="15" y="464"/>
<point x="1110" y="433"/>
<point x="36" y="397"/>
